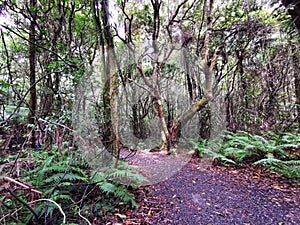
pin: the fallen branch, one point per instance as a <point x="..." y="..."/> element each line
<point x="21" y="184"/>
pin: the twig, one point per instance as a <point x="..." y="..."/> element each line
<point x="64" y="126"/>
<point x="25" y="204"/>
<point x="40" y="46"/>
<point x="139" y="85"/>
<point x="7" y="143"/>
<point x="58" y="124"/>
<point x="21" y="184"/>
<point x="11" y="214"/>
<point x="19" y="153"/>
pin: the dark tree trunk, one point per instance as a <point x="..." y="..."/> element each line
<point x="32" y="72"/>
<point x="296" y="62"/>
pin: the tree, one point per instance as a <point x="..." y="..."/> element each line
<point x="110" y="137"/>
<point x="32" y="68"/>
<point x="293" y="8"/>
<point x="153" y="77"/>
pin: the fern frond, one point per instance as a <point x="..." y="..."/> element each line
<point x="119" y="191"/>
<point x="65" y="177"/>
<point x="289" y="168"/>
<point x="107" y="187"/>
<point x="226" y="161"/>
<point x="55" y="168"/>
<point x="267" y="161"/>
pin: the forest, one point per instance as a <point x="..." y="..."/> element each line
<point x="149" y="112"/>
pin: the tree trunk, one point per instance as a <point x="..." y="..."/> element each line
<point x="32" y="72"/>
<point x="181" y="121"/>
<point x="293" y="7"/>
<point x="209" y="23"/>
<point x="296" y="66"/>
<point x="110" y="91"/>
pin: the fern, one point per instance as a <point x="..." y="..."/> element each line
<point x="119" y="191"/>
<point x="113" y="180"/>
<point x="271" y="152"/>
<point x="290" y="168"/>
<point x="216" y="155"/>
<point x="107" y="187"/>
<point x="126" y="176"/>
<point x="65" y="177"/>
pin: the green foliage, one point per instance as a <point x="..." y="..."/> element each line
<point x="64" y="179"/>
<point x="3" y="87"/>
<point x="277" y="152"/>
<point x="54" y="175"/>
<point x="200" y="147"/>
<point x="289" y="168"/>
<point x="113" y="181"/>
<point x="119" y="191"/>
<point x="19" y="116"/>
<point x="55" y="168"/>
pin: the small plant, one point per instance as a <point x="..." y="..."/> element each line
<point x="200" y="147"/>
<point x="116" y="180"/>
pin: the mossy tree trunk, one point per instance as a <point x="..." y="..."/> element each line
<point x="110" y="90"/>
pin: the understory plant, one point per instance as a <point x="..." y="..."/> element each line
<point x="68" y="189"/>
<point x="280" y="153"/>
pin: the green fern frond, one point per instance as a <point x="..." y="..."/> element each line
<point x="289" y="168"/>
<point x="268" y="161"/>
<point x="119" y="191"/>
<point x="65" y="177"/>
<point x="292" y="163"/>
<point x="98" y="177"/>
<point x="61" y="167"/>
<point x="122" y="193"/>
<point x="107" y="187"/>
<point x="226" y="161"/>
<point x="63" y="197"/>
<point x="77" y="170"/>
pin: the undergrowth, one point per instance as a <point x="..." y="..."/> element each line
<point x="279" y="153"/>
<point x="62" y="189"/>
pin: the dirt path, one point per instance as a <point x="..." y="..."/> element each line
<point x="218" y="196"/>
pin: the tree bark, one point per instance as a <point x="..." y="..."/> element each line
<point x="209" y="23"/>
<point x="293" y="7"/>
<point x="32" y="68"/>
<point x="181" y="121"/>
<point x="110" y="91"/>
<point x="296" y="61"/>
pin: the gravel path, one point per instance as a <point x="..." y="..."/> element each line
<point x="218" y="196"/>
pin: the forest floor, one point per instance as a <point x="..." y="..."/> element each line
<point x="215" y="195"/>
